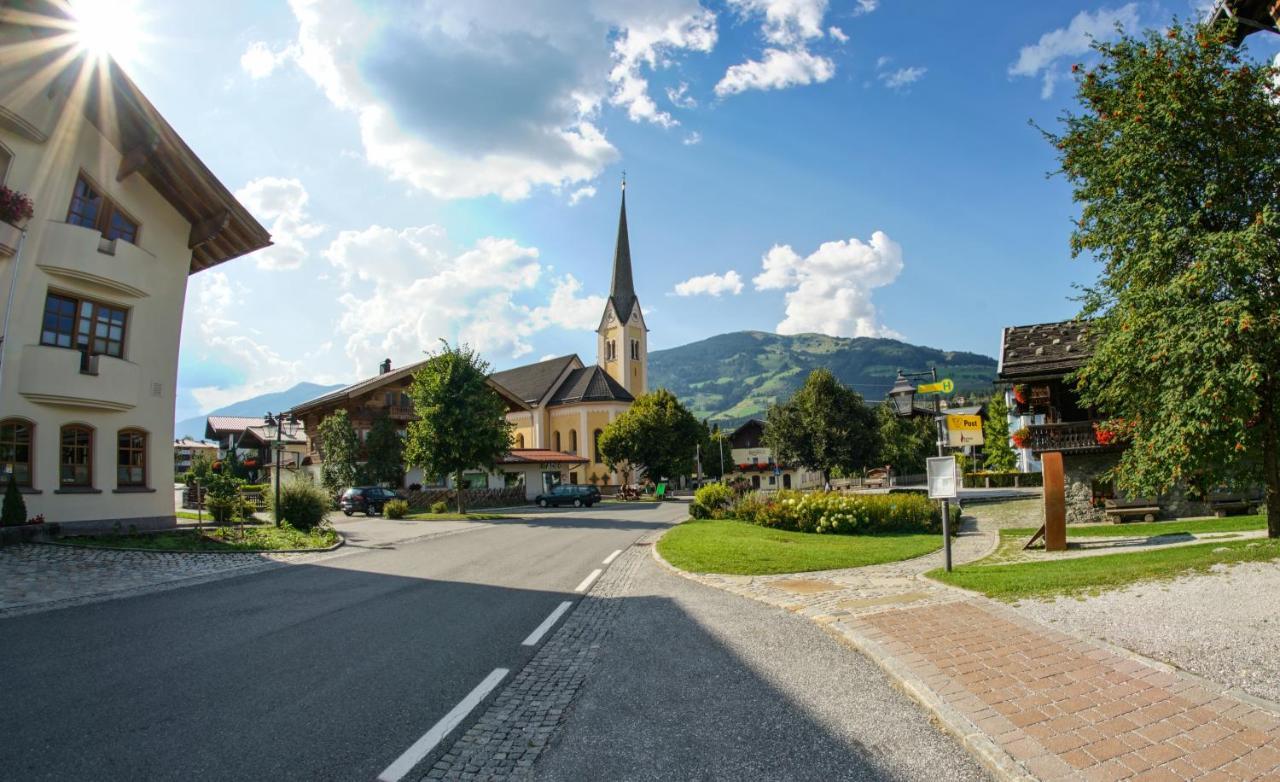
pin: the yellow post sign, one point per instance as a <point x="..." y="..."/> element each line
<point x="940" y="387"/>
<point x="964" y="430"/>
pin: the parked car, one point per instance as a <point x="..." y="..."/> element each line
<point x="365" y="499"/>
<point x="566" y="494"/>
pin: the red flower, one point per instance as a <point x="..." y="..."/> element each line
<point x="14" y="206"/>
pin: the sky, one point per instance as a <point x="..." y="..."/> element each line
<point x="450" y="169"/>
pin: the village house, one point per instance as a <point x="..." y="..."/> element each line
<point x="187" y="449"/>
<point x="753" y="462"/>
<point x="94" y="282"/>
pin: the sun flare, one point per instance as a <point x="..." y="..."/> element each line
<point x="114" y="28"/>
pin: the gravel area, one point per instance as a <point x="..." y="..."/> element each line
<point x="1223" y="625"/>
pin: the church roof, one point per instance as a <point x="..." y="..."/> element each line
<point x="622" y="290"/>
<point x="533" y="382"/>
<point x="590" y="384"/>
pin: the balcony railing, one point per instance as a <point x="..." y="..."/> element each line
<point x="1071" y="437"/>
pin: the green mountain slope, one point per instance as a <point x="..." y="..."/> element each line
<point x="736" y="376"/>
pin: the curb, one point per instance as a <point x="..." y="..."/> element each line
<point x="341" y="542"/>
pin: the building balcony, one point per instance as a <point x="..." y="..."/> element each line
<point x="1070" y="437"/>
<point x="68" y="378"/>
<point x="81" y="254"/>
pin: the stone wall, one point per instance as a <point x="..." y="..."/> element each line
<point x="1083" y="469"/>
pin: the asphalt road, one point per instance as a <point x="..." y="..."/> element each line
<point x="322" y="671"/>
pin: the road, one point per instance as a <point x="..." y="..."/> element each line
<point x="323" y="671"/>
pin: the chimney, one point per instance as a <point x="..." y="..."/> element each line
<point x="384" y="367"/>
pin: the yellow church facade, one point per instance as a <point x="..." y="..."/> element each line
<point x="569" y="403"/>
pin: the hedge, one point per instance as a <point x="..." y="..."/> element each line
<point x="842" y="514"/>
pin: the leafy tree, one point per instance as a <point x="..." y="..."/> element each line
<point x="461" y="423"/>
<point x="995" y="435"/>
<point x="385" y="453"/>
<point x="201" y="468"/>
<point x="233" y="466"/>
<point x="1172" y="157"/>
<point x="714" y="443"/>
<point x="339" y="452"/>
<point x="658" y="434"/>
<point x="824" y="426"/>
<point x="13" y="511"/>
<point x="905" y="442"/>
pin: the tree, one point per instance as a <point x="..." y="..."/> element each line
<point x="995" y="436"/>
<point x="385" y="453"/>
<point x="13" y="511"/>
<point x="1173" y="160"/>
<point x="905" y="441"/>
<point x="658" y="435"/>
<point x="339" y="452"/>
<point x="461" y="423"/>
<point x="714" y="443"/>
<point x="824" y="426"/>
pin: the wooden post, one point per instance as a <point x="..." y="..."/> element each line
<point x="1055" y="502"/>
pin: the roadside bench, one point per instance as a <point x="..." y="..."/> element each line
<point x="1127" y="510"/>
<point x="1225" y="504"/>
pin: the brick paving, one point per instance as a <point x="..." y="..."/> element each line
<point x="1032" y="702"/>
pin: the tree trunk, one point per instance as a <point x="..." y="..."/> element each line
<point x="1271" y="469"/>
<point x="457" y="485"/>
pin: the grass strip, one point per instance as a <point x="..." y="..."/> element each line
<point x="1151" y="528"/>
<point x="739" y="548"/>
<point x="256" y="538"/>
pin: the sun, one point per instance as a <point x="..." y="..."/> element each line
<point x="115" y="28"/>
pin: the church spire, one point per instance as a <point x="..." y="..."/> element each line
<point x="622" y="290"/>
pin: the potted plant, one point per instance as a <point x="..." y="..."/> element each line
<point x="1020" y="393"/>
<point x="1021" y="437"/>
<point x="15" y="210"/>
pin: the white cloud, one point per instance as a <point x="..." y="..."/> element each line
<point x="567" y="309"/>
<point x="581" y="193"/>
<point x="1044" y="57"/>
<point x="650" y="43"/>
<point x="779" y="69"/>
<point x="693" y="138"/>
<point x="866" y="7"/>
<point x="711" y="285"/>
<point x="680" y="97"/>
<point x="786" y="22"/>
<point x="837" y="34"/>
<point x="282" y="204"/>
<point x="829" y="291"/>
<point x="259" y="61"/>
<point x="902" y="77"/>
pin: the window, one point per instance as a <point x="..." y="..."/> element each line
<point x="15" y="450"/>
<point x="84" y="325"/>
<point x="131" y="458"/>
<point x="595" y="438"/>
<point x="555" y="441"/>
<point x="91" y="209"/>
<point x="610" y="350"/>
<point x="6" y="159"/>
<point x="75" y="462"/>
<point x="519" y="441"/>
<point x="573" y="442"/>
<point x="635" y="349"/>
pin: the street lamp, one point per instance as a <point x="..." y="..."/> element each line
<point x="903" y="396"/>
<point x="279" y="421"/>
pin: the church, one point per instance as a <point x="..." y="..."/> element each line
<point x="567" y="403"/>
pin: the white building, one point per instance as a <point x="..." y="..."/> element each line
<point x="93" y="285"/>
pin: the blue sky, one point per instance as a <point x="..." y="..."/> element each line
<point x="450" y="169"/>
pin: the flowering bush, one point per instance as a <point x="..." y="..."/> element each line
<point x="840" y="514"/>
<point x="1020" y="394"/>
<point x="1021" y="437"/>
<point x="711" y="501"/>
<point x="15" y="207"/>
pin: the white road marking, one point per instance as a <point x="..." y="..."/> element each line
<point x="612" y="556"/>
<point x="586" y="582"/>
<point x="423" y="746"/>
<point x="547" y="624"/>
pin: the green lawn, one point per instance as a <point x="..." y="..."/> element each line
<point x="455" y="516"/>
<point x="256" y="538"/>
<point x="738" y="548"/>
<point x="1146" y="529"/>
<point x="1090" y="575"/>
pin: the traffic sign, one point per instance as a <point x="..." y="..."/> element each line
<point x="944" y="386"/>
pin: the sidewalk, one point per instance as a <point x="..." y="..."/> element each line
<point x="1031" y="702"/>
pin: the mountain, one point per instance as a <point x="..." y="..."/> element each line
<point x="255" y="406"/>
<point x="736" y="376"/>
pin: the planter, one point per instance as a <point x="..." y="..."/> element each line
<point x="10" y="238"/>
<point x="27" y="533"/>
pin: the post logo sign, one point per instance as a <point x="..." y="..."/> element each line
<point x="964" y="430"/>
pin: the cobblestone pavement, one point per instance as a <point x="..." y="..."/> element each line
<point x="506" y="740"/>
<point x="1032" y="702"/>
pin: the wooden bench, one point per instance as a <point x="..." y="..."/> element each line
<point x="1225" y="504"/>
<point x="1123" y="510"/>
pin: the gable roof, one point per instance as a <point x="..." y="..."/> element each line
<point x="590" y="384"/>
<point x="622" y="290"/>
<point x="1252" y="16"/>
<point x="358" y="387"/>
<point x="227" y="424"/>
<point x="264" y="434"/>
<point x="1043" y="350"/>
<point x="532" y="382"/>
<point x="540" y="456"/>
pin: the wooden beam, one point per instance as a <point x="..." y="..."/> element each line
<point x="136" y="158"/>
<point x="208" y="228"/>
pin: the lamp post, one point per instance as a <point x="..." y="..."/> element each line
<point x="278" y="421"/>
<point x="903" y="396"/>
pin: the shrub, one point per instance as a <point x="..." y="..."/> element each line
<point x="440" y="507"/>
<point x="14" y="509"/>
<point x="711" y="501"/>
<point x="222" y="498"/>
<point x="302" y="504"/>
<point x="842" y="514"/>
<point x="395" y="509"/>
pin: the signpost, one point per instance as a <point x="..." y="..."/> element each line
<point x="944" y="386"/>
<point x="943" y="485"/>
<point x="964" y="430"/>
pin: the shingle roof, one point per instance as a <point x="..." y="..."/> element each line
<point x="540" y="456"/>
<point x="1044" y="350"/>
<point x="590" y="384"/>
<point x="230" y="423"/>
<point x="622" y="290"/>
<point x="1253" y="15"/>
<point x="532" y="382"/>
<point x="368" y="384"/>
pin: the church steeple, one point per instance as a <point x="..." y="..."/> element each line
<point x="622" y="290"/>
